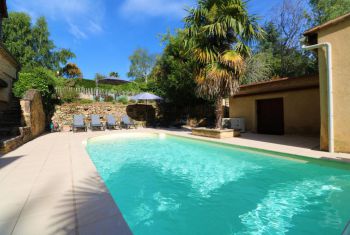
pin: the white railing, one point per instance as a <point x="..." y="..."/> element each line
<point x="92" y="93"/>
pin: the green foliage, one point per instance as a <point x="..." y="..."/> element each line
<point x="85" y="101"/>
<point x="108" y="98"/>
<point x="284" y="60"/>
<point x="123" y="100"/>
<point x="31" y="44"/>
<point x="325" y="10"/>
<point x="69" y="96"/>
<point x="40" y="79"/>
<point x="258" y="69"/>
<point x="99" y="77"/>
<point x="172" y="77"/>
<point x="141" y="65"/>
<point x="218" y="34"/>
<point x="71" y="70"/>
<point x="114" y="74"/>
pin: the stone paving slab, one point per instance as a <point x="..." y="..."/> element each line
<point x="50" y="185"/>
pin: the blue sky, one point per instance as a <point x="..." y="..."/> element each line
<point x="104" y="33"/>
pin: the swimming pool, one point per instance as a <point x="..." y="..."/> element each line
<point x="165" y="184"/>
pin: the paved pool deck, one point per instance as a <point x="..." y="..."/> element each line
<point x="50" y="185"/>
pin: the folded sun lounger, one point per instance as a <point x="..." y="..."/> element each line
<point x="96" y="122"/>
<point x="111" y="122"/>
<point x="127" y="122"/>
<point x="78" y="123"/>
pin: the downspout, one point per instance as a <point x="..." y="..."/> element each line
<point x="328" y="47"/>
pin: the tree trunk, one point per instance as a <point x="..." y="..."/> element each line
<point x="218" y="112"/>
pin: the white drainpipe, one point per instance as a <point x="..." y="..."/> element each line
<point x="328" y="47"/>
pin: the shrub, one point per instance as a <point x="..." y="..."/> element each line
<point x="40" y="79"/>
<point x="69" y="96"/>
<point x="85" y="101"/>
<point x="108" y="98"/>
<point x="123" y="99"/>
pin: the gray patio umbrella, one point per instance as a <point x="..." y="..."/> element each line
<point x="146" y="96"/>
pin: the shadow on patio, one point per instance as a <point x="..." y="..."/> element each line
<point x="95" y="211"/>
<point x="4" y="161"/>
<point x="308" y="142"/>
<point x="88" y="209"/>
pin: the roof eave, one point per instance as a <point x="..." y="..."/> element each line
<point x="330" y="23"/>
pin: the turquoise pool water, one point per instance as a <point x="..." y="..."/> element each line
<point x="171" y="185"/>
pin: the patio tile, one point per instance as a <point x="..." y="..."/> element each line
<point x="91" y="209"/>
<point x="43" y="224"/>
<point x="52" y="205"/>
<point x="10" y="211"/>
<point x="7" y="227"/>
<point x="107" y="226"/>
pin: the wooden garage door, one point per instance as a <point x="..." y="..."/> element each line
<point x="270" y="116"/>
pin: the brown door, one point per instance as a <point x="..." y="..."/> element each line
<point x="270" y="116"/>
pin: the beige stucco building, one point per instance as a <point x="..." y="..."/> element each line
<point x="9" y="67"/>
<point x="300" y="105"/>
<point x="281" y="106"/>
<point x="337" y="34"/>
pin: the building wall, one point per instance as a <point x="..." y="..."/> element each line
<point x="339" y="36"/>
<point x="301" y="110"/>
<point x="8" y="72"/>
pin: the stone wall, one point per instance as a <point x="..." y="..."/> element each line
<point x="63" y="115"/>
<point x="33" y="112"/>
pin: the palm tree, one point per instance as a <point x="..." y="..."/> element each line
<point x="218" y="34"/>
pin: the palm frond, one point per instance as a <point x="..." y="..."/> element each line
<point x="233" y="60"/>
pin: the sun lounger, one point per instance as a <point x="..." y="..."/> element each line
<point x="127" y="122"/>
<point x="78" y="123"/>
<point x="96" y="122"/>
<point x="111" y="122"/>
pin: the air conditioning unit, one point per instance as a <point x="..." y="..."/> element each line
<point x="234" y="123"/>
<point x="238" y="124"/>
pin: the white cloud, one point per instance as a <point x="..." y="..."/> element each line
<point x="155" y="8"/>
<point x="83" y="17"/>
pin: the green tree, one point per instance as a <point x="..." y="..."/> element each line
<point x="141" y="65"/>
<point x="98" y="78"/>
<point x="32" y="45"/>
<point x="325" y="10"/>
<point x="72" y="70"/>
<point x="219" y="32"/>
<point x="114" y="74"/>
<point x="40" y="79"/>
<point x="18" y="38"/>
<point x="280" y="46"/>
<point x="172" y="75"/>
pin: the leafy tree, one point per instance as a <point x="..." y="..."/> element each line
<point x="280" y="46"/>
<point x="40" y="79"/>
<point x="258" y="69"/>
<point x="98" y="78"/>
<point x="32" y="45"/>
<point x="219" y="32"/>
<point x="71" y="70"/>
<point x="18" y="37"/>
<point x="325" y="10"/>
<point x="114" y="74"/>
<point x="141" y="65"/>
<point x="172" y="75"/>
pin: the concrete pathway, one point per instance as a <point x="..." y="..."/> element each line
<point x="50" y="185"/>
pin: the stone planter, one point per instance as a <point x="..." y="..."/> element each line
<point x="215" y="133"/>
